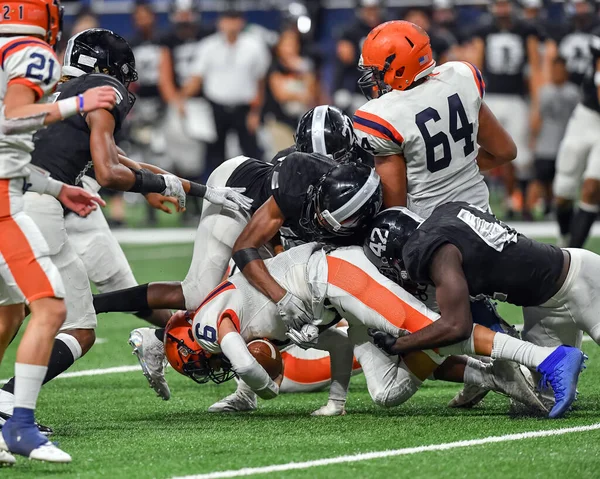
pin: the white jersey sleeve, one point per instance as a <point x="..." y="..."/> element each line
<point x="375" y="132"/>
<point x="32" y="63"/>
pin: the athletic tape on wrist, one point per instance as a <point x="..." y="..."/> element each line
<point x="68" y="107"/>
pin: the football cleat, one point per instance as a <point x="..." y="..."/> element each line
<point x="241" y="400"/>
<point x="21" y="436"/>
<point x="510" y="380"/>
<point x="561" y="371"/>
<point x="6" y="458"/>
<point x="45" y="430"/>
<point x="150" y="352"/>
<point x="469" y="396"/>
<point x="332" y="408"/>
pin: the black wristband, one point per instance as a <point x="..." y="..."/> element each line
<point x="197" y="190"/>
<point x="244" y="256"/>
<point x="147" y="182"/>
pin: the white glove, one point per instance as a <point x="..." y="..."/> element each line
<point x="230" y="198"/>
<point x="332" y="408"/>
<point x="306" y="338"/>
<point x="293" y="312"/>
<point x="174" y="188"/>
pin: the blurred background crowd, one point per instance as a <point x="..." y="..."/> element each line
<point x="222" y="78"/>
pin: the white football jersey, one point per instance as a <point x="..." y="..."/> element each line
<point x="31" y="62"/>
<point x="434" y="127"/>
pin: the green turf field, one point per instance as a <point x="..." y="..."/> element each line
<point x="115" y="427"/>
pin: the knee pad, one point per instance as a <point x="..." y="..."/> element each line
<point x="396" y="392"/>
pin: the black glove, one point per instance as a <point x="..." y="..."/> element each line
<point x="384" y="341"/>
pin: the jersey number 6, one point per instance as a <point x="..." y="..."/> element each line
<point x="456" y="112"/>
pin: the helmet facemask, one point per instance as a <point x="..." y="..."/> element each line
<point x="372" y="83"/>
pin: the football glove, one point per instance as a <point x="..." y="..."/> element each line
<point x="384" y="341"/>
<point x="306" y="338"/>
<point x="174" y="188"/>
<point x="293" y="312"/>
<point x="230" y="198"/>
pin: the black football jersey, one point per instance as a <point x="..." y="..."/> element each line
<point x="573" y="46"/>
<point x="63" y="148"/>
<point x="505" y="56"/>
<point x="147" y="58"/>
<point x="589" y="88"/>
<point x="497" y="261"/>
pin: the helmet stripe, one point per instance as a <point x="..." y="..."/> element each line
<point x="318" y="130"/>
<point x="359" y="199"/>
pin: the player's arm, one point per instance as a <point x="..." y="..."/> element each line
<point x="166" y="77"/>
<point x="452" y="296"/>
<point x="535" y="67"/>
<point x="476" y="50"/>
<point x="392" y="171"/>
<point x="243" y="363"/>
<point x="496" y="146"/>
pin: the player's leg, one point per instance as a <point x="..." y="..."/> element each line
<point x="589" y="204"/>
<point x="518" y="128"/>
<point x="570" y="165"/>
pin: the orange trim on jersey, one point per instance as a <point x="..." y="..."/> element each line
<point x="478" y="78"/>
<point x="19" y="44"/>
<point x="369" y="130"/>
<point x="377" y="297"/>
<point x="225" y="286"/>
<point x="391" y="130"/>
<point x="232" y="315"/>
<point x="309" y="371"/>
<point x="39" y="93"/>
<point x="18" y="254"/>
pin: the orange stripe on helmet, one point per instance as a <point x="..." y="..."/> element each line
<point x="377" y="297"/>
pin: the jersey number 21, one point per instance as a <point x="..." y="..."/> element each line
<point x="456" y="116"/>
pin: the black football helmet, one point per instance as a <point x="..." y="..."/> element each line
<point x="327" y="130"/>
<point x="383" y="245"/>
<point x="97" y="50"/>
<point x="342" y="202"/>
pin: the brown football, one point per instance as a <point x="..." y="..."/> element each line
<point x="267" y="355"/>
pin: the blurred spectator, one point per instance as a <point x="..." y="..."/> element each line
<point x="347" y="95"/>
<point x="145" y="120"/>
<point x="572" y="42"/>
<point x="445" y="20"/>
<point x="291" y="89"/>
<point x="442" y="41"/>
<point x="503" y="49"/>
<point x="557" y="100"/>
<point x="230" y="69"/>
<point x="84" y="20"/>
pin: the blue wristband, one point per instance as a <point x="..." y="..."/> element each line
<point x="80" y="103"/>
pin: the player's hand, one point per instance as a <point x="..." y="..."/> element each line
<point x="99" y="98"/>
<point x="253" y="122"/>
<point x="332" y="408"/>
<point x="78" y="200"/>
<point x="157" y="201"/>
<point x="174" y="188"/>
<point x="230" y="198"/>
<point x="293" y="312"/>
<point x="307" y="337"/>
<point x="384" y="341"/>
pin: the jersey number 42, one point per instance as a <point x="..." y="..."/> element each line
<point x="456" y="116"/>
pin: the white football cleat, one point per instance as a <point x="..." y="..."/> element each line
<point x="510" y="380"/>
<point x="49" y="453"/>
<point x="150" y="352"/>
<point x="332" y="408"/>
<point x="6" y="458"/>
<point x="241" y="400"/>
<point x="470" y="395"/>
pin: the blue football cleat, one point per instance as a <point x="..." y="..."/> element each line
<point x="21" y="436"/>
<point x="561" y="370"/>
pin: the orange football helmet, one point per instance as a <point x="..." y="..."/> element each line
<point x="394" y="55"/>
<point x="188" y="358"/>
<point x="32" y="17"/>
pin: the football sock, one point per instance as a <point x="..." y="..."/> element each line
<point x="28" y="382"/>
<point x="65" y="352"/>
<point x="126" y="300"/>
<point x="564" y="216"/>
<point x="582" y="223"/>
<point x="160" y="334"/>
<point x="512" y="349"/>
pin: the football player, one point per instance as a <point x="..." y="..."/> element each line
<point x="465" y="251"/>
<point x="94" y="57"/>
<point x="289" y="188"/>
<point x="30" y="71"/>
<point x="341" y="282"/>
<point x="578" y="159"/>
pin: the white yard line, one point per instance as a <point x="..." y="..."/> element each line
<point x="92" y="372"/>
<point x="250" y="471"/>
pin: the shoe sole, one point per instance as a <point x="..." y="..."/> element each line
<point x="469" y="403"/>
<point x="554" y="414"/>
<point x="162" y="393"/>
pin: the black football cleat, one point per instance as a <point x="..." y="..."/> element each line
<point x="45" y="430"/>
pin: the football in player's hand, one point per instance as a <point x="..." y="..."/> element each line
<point x="267" y="355"/>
